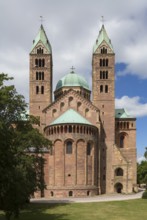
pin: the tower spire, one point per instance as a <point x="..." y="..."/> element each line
<point x="41" y="36"/>
<point x="103" y="36"/>
<point x="40" y="73"/>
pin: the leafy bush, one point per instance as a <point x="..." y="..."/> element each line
<point x="144" y="195"/>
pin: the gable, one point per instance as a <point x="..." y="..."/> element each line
<point x="39" y="45"/>
<point x="70" y="100"/>
<point x="104" y="44"/>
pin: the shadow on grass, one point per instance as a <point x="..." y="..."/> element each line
<point x="43" y="211"/>
<point x="40" y="211"/>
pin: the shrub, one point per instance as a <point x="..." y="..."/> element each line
<point x="144" y="195"/>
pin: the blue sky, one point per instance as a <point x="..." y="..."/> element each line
<point x="133" y="86"/>
<point x="72" y="28"/>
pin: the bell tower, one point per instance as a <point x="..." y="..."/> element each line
<point x="103" y="97"/>
<point x="40" y="73"/>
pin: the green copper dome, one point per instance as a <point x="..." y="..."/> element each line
<point x="72" y="79"/>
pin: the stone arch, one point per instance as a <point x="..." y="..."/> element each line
<point x="57" y="140"/>
<point x="118" y="187"/>
<point x="123" y="139"/>
<point x="54" y="112"/>
<point x="86" y="112"/>
<point x="61" y="106"/>
<point x="78" y="105"/>
<point x="70" y="99"/>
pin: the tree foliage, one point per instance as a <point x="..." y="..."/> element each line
<point x="21" y="151"/>
<point x="142" y="170"/>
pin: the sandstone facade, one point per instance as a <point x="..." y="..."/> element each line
<point x="94" y="145"/>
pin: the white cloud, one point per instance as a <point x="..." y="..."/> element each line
<point x="133" y="106"/>
<point x="140" y="158"/>
<point x="72" y="28"/>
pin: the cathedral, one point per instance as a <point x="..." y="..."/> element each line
<point x="93" y="144"/>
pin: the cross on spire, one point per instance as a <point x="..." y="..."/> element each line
<point x="72" y="69"/>
<point x="102" y="20"/>
<point x="41" y="19"/>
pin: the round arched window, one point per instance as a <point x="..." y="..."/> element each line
<point x="69" y="147"/>
<point x="119" y="172"/>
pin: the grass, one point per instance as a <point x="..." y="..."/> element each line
<point x="118" y="210"/>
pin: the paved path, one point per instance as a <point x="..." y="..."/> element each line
<point x="100" y="198"/>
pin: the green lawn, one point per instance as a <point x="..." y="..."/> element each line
<point x="120" y="210"/>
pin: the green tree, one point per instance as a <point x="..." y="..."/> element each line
<point x="21" y="151"/>
<point x="142" y="170"/>
<point x="145" y="153"/>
